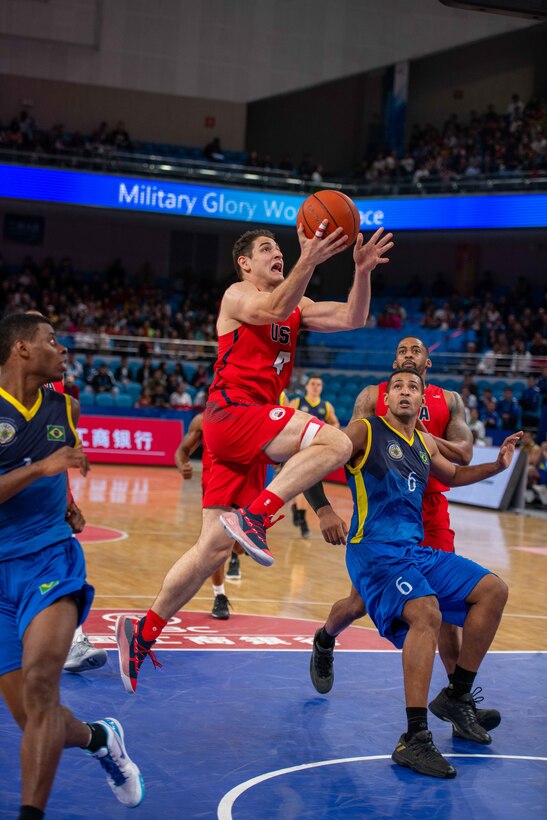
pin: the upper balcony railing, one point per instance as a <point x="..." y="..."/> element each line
<point x="231" y="174"/>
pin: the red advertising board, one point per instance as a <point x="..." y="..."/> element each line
<point x="119" y="440"/>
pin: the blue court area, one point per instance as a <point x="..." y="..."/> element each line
<point x="244" y="735"/>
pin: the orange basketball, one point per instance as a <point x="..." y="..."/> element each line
<point x="335" y="206"/>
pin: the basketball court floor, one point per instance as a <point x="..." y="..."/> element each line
<point x="231" y="726"/>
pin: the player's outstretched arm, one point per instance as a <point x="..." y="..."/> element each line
<point x="457" y="476"/>
<point x="349" y="315"/>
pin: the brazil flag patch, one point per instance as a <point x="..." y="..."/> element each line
<point x="56" y="432"/>
<point x="47" y="587"/>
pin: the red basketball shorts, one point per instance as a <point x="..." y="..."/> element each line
<point x="238" y="433"/>
<point x="234" y="437"/>
<point x="437" y="531"/>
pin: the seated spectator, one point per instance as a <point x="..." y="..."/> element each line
<point x="201" y="397"/>
<point x="158" y="377"/>
<point x="180" y="399"/>
<point x="489" y="416"/>
<point x="536" y="492"/>
<point x="119" y="138"/>
<point x="515" y="109"/>
<point x="508" y="409"/>
<point x="469" y="383"/>
<point x="470" y="401"/>
<point x="122" y="373"/>
<point x="477" y="428"/>
<point x="100" y="143"/>
<point x="200" y="377"/>
<point x="487" y="364"/>
<point x="538" y="347"/>
<point x="213" y="151"/>
<point x="390" y="318"/>
<point x="71" y="388"/>
<point x="145" y="398"/>
<point x="158" y="397"/>
<point x="429" y="320"/>
<point x="178" y="372"/>
<point x="530" y="402"/>
<point x="89" y="370"/>
<point x="144" y="373"/>
<point x="74" y="368"/>
<point x="521" y="360"/>
<point x="103" y="381"/>
<point x="542" y="383"/>
<point x="317" y="173"/>
<point x="503" y="359"/>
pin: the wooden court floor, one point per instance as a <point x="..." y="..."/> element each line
<point x="158" y="516"/>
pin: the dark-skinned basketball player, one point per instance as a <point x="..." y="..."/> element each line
<point x="442" y="416"/>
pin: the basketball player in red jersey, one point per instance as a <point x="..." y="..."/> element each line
<point x="244" y="426"/>
<point x="443" y="416"/>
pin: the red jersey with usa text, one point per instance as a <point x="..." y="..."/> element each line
<point x="255" y="362"/>
<point x="434" y="415"/>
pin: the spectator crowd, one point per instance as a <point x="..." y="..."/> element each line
<point x="491" y="143"/>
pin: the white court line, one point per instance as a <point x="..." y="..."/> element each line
<point x="296" y="602"/>
<point x="224" y="811"/>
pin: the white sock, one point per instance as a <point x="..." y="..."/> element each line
<point x="79" y="632"/>
<point x="218" y="590"/>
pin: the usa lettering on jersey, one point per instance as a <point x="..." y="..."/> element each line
<point x="280" y="334"/>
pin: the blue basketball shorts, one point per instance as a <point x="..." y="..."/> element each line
<point x="33" y="582"/>
<point x="387" y="577"/>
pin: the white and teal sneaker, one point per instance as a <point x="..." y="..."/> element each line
<point x="122" y="775"/>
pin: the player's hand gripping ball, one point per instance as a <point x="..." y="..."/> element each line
<point x="335" y="206"/>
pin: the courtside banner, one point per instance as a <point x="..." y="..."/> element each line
<point x="191" y="200"/>
<point x="118" y="440"/>
<point x="502" y="491"/>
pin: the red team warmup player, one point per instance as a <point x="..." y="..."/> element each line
<point x="245" y="428"/>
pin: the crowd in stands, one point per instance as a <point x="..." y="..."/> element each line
<point x="506" y="333"/>
<point x="23" y="133"/>
<point x="509" y="335"/>
<point x="112" y="303"/>
<point x="491" y="143"/>
<point x="486" y="411"/>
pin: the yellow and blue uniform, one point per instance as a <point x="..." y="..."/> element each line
<point x="40" y="559"/>
<point x="321" y="409"/>
<point x="385" y="562"/>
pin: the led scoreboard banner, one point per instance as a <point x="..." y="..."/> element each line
<point x="461" y="212"/>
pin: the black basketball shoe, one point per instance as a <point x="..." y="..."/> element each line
<point x="462" y="714"/>
<point x="321" y="667"/>
<point x="421" y="755"/>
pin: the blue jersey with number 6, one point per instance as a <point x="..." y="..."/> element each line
<point x="388" y="486"/>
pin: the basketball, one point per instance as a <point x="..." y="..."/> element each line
<point x="335" y="206"/>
